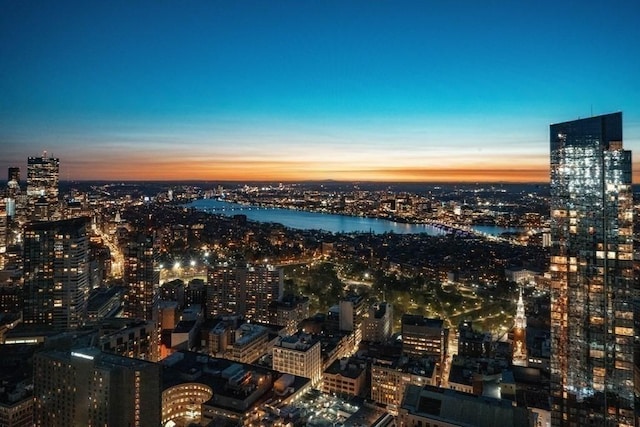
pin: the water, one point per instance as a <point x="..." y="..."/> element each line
<point x="334" y="223"/>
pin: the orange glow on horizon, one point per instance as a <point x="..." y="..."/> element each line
<point x="530" y="169"/>
<point x="174" y="170"/>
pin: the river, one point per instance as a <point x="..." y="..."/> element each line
<point x="334" y="223"/>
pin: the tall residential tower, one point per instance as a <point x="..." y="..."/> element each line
<point x="592" y="289"/>
<point x="56" y="267"/>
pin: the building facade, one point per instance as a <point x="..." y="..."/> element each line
<point x="243" y="290"/>
<point x="141" y="276"/>
<point x="422" y="336"/>
<point x="43" y="174"/>
<point x="592" y="290"/>
<point x="87" y="387"/>
<point x="299" y="355"/>
<point x="378" y="324"/>
<point x="56" y="280"/>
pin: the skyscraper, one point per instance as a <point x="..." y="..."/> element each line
<point x="42" y="183"/>
<point x="13" y="174"/>
<point x="56" y="279"/>
<point x="90" y="388"/>
<point x="592" y="325"/>
<point x="141" y="276"/>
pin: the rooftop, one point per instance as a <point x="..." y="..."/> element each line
<point x="463" y="409"/>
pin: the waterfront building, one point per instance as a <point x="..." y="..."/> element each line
<point x="56" y="281"/>
<point x="87" y="387"/>
<point x="591" y="267"/>
<point x="141" y="276"/>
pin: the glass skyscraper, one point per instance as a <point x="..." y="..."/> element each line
<point x="591" y="265"/>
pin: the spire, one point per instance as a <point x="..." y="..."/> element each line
<point x="521" y="318"/>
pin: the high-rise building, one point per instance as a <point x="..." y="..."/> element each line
<point x="42" y="182"/>
<point x="264" y="285"/>
<point x="225" y="283"/>
<point x="56" y="276"/>
<point x="90" y="388"/>
<point x="14" y="174"/>
<point x="243" y="290"/>
<point x="591" y="265"/>
<point x="141" y="276"/>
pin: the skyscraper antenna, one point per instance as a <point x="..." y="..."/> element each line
<point x="591" y="110"/>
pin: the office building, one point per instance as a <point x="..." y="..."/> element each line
<point x="344" y="377"/>
<point x="591" y="267"/>
<point x="424" y="337"/>
<point x="141" y="276"/>
<point x="390" y="378"/>
<point x="90" y="388"/>
<point x="56" y="281"/>
<point x="42" y="184"/>
<point x="289" y="312"/>
<point x="378" y="324"/>
<point x="299" y="355"/>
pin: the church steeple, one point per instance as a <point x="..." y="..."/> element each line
<point x="520" y="334"/>
<point x="521" y="318"/>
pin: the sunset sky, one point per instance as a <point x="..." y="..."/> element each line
<point x="313" y="90"/>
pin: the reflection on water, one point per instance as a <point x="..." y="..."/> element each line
<point x="323" y="221"/>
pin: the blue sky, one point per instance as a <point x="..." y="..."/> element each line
<point x="309" y="89"/>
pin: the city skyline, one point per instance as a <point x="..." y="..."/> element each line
<point x="309" y="91"/>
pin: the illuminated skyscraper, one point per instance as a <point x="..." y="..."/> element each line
<point x="592" y="326"/>
<point x="42" y="183"/>
<point x="141" y="276"/>
<point x="56" y="273"/>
